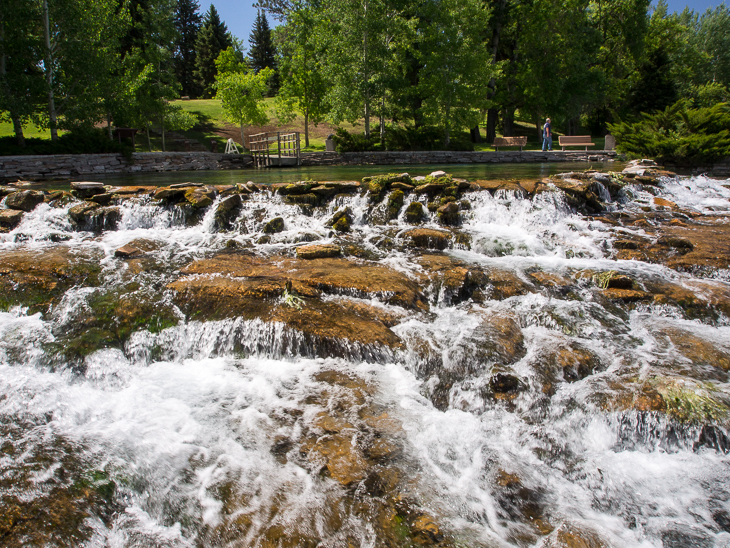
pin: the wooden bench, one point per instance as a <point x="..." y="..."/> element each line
<point x="576" y="141"/>
<point x="509" y="142"/>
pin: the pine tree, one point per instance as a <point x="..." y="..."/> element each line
<point x="212" y="39"/>
<point x="263" y="53"/>
<point x="187" y="24"/>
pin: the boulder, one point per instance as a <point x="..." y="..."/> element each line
<point x="227" y="211"/>
<point x="10" y="218"/>
<point x="102" y="199"/>
<point x="84" y="190"/>
<point x="428" y="238"/>
<point x="415" y="212"/>
<point x="92" y="216"/>
<point x="170" y="194"/>
<point x="274" y="225"/>
<point x="448" y="214"/>
<point x="24" y="200"/>
<point x="200" y="197"/>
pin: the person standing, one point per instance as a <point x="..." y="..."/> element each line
<point x="547" y="135"/>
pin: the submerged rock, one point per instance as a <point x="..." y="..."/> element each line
<point x="318" y="251"/>
<point x="274" y="225"/>
<point x="428" y="238"/>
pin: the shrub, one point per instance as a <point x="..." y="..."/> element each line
<point x="78" y="141"/>
<point x="680" y="134"/>
<point x="401" y="139"/>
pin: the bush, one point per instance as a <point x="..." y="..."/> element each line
<point x="79" y="141"/>
<point x="680" y="134"/>
<point x="401" y="139"/>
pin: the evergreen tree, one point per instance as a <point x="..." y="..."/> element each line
<point x="187" y="24"/>
<point x="212" y="39"/>
<point x="263" y="53"/>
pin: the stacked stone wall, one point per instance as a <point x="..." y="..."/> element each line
<point x="453" y="157"/>
<point x="66" y="166"/>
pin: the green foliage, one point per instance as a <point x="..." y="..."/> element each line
<point x="262" y="53"/>
<point x="679" y="134"/>
<point x="242" y="97"/>
<point x="402" y="138"/>
<point x="187" y="25"/>
<point x="213" y="38"/>
<point x="79" y="141"/>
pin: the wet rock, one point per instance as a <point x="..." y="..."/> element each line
<point x="102" y="199"/>
<point x="10" y="218"/>
<point x="24" y="200"/>
<point x="38" y="278"/>
<point x="91" y="216"/>
<point x="448" y="214"/>
<point x="626" y="295"/>
<point x="570" y="536"/>
<point x="318" y="251"/>
<point x="402" y="186"/>
<point x="170" y="194"/>
<point x="431" y="189"/>
<point x="451" y="280"/>
<point x="274" y="225"/>
<point x="428" y="238"/>
<point x="302" y="199"/>
<point x="661" y="202"/>
<point x="570" y="362"/>
<point x="200" y="197"/>
<point x="395" y="203"/>
<point x="415" y="213"/>
<point x="227" y="211"/>
<point x="127" y="251"/>
<point x="619" y="281"/>
<point x="678" y="243"/>
<point x="300" y="187"/>
<point x="342" y="213"/>
<point x="503" y="383"/>
<point x="699" y="351"/>
<point x="626" y="244"/>
<point x="84" y="190"/>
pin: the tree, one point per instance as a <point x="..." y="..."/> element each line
<point x="242" y="97"/>
<point x="456" y="66"/>
<point x="262" y="53"/>
<point x="187" y="24"/>
<point x="212" y="39"/>
<point x="303" y="87"/>
<point x="21" y="79"/>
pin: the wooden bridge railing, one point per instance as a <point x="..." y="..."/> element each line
<point x="269" y="149"/>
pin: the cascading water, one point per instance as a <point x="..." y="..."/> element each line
<point x="525" y="405"/>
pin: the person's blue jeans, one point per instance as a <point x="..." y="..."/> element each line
<point x="547" y="141"/>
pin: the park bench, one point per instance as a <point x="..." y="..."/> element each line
<point x="509" y="142"/>
<point x="575" y="141"/>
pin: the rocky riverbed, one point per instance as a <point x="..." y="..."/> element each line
<point x="398" y="361"/>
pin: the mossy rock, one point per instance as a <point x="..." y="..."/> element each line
<point x="345" y="212"/>
<point x="109" y="319"/>
<point x="433" y="206"/>
<point x="395" y="203"/>
<point x="274" y="225"/>
<point x="302" y="199"/>
<point x="415" y="212"/>
<point x="227" y="211"/>
<point x="342" y="225"/>
<point x="199" y="197"/>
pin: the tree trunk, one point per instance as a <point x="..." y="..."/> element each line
<point x="476" y="136"/>
<point x="243" y="141"/>
<point x="382" y="124"/>
<point x="162" y="128"/>
<point x="48" y="61"/>
<point x="18" y="128"/>
<point x="508" y="118"/>
<point x="149" y="143"/>
<point x="109" y="125"/>
<point x="492" y="114"/>
<point x="306" y="127"/>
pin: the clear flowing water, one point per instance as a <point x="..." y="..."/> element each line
<point x="350" y="173"/>
<point x="179" y="418"/>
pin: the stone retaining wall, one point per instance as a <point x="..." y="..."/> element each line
<point x="65" y="166"/>
<point x="449" y="157"/>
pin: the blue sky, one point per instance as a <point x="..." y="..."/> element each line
<point x="239" y="15"/>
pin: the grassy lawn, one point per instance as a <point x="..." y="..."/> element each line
<point x="31" y="130"/>
<point x="212" y="126"/>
